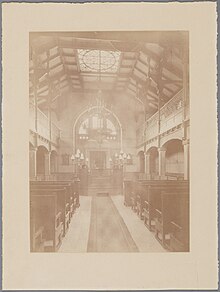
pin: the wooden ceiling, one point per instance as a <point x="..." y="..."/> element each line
<point x="150" y="66"/>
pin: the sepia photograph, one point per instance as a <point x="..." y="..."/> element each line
<point x="109" y="141"/>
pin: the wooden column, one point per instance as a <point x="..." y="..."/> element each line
<point x="49" y="100"/>
<point x="49" y="125"/>
<point x="186" y="109"/>
<point x="47" y="163"/>
<point x="147" y="164"/>
<point x="35" y="85"/>
<point x="186" y="158"/>
<point x="33" y="163"/>
<point x="162" y="162"/>
<point x="162" y="62"/>
<point x="185" y="100"/>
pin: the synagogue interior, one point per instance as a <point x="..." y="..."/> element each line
<point x="109" y="141"/>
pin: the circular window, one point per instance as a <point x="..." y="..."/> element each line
<point x="95" y="60"/>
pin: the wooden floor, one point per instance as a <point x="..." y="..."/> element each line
<point x="104" y="224"/>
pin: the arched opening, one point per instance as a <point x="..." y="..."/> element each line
<point x="174" y="157"/>
<point x="97" y="137"/>
<point x="141" y="162"/>
<point x="41" y="162"/>
<point x="53" y="161"/>
<point x="153" y="161"/>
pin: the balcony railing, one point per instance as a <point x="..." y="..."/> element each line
<point x="43" y="128"/>
<point x="171" y="114"/>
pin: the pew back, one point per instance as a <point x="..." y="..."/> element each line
<point x="46" y="216"/>
<point x="74" y="184"/>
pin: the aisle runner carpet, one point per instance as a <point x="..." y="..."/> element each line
<point x="108" y="232"/>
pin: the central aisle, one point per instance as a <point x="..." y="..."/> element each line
<point x="104" y="224"/>
<point x="108" y="232"/>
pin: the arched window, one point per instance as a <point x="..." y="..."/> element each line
<point x="97" y="124"/>
<point x="111" y="127"/>
<point x="84" y="127"/>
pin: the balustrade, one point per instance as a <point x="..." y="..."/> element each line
<point x="171" y="114"/>
<point x="55" y="133"/>
<point x="42" y="125"/>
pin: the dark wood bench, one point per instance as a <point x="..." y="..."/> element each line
<point x="179" y="225"/>
<point x="74" y="197"/>
<point x="145" y="196"/>
<point x="36" y="228"/>
<point x="46" y="222"/>
<point x="145" y="202"/>
<point x="69" y="177"/>
<point x="64" y="200"/>
<point x="128" y="192"/>
<point x="172" y="215"/>
<point x="154" y="200"/>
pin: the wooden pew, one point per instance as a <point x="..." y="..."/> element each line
<point x="128" y="192"/>
<point x="148" y="197"/>
<point x="74" y="198"/>
<point x="145" y="196"/>
<point x="75" y="190"/>
<point x="69" y="177"/>
<point x="76" y="183"/>
<point x="45" y="216"/>
<point x="173" y="214"/>
<point x="69" y="186"/>
<point x="155" y="199"/>
<point x="63" y="200"/>
<point x="140" y="198"/>
<point x="131" y="192"/>
<point x="179" y="236"/>
<point x="36" y="228"/>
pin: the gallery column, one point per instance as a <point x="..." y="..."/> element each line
<point x="147" y="164"/>
<point x="186" y="158"/>
<point x="162" y="162"/>
<point x="47" y="164"/>
<point x="32" y="163"/>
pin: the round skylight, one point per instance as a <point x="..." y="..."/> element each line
<point x="95" y="60"/>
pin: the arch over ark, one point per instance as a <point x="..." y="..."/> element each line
<point x="97" y="136"/>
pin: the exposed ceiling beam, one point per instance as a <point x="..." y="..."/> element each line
<point x="78" y="69"/>
<point x="170" y="81"/>
<point x="54" y="77"/>
<point x="64" y="67"/>
<point x="136" y="36"/>
<point x="74" y="44"/>
<point x="70" y="63"/>
<point x="122" y="44"/>
<point x="167" y="65"/>
<point x="142" y="82"/>
<point x="128" y="58"/>
<point x="165" y="80"/>
<point x="150" y="93"/>
<point x="115" y="83"/>
<point x="153" y="102"/>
